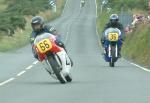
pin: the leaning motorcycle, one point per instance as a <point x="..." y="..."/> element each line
<point x="58" y="63"/>
<point x="112" y="44"/>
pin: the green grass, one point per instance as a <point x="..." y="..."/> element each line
<point x="137" y="45"/>
<point x="2" y="5"/>
<point x="21" y="38"/>
<point x="101" y="21"/>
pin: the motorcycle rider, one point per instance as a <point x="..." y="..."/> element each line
<point x="114" y="23"/>
<point x="39" y="27"/>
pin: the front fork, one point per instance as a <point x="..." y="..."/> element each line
<point x="110" y="51"/>
<point x="65" y="61"/>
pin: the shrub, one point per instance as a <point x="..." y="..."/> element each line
<point x="13" y="17"/>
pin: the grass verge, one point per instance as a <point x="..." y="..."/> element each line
<point x="21" y="37"/>
<point x="137" y="45"/>
<point x="2" y="5"/>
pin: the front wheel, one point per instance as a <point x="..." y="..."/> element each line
<point x="68" y="78"/>
<point x="113" y="57"/>
<point x="111" y="64"/>
<point x="56" y="69"/>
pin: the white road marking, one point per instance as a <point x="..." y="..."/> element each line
<point x="96" y="8"/>
<point x="67" y="35"/>
<point x="19" y="74"/>
<point x="96" y="28"/>
<point x="69" y="26"/>
<point x="22" y="72"/>
<point x="29" y="67"/>
<point x="35" y="62"/>
<point x="9" y="80"/>
<point x="64" y="8"/>
<point x="145" y="69"/>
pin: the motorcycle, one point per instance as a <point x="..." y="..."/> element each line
<point x="82" y="3"/>
<point x="58" y="63"/>
<point x="112" y="44"/>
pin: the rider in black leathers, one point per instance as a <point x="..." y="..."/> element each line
<point x="40" y="27"/>
<point x="114" y="23"/>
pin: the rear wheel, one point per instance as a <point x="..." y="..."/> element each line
<point x="56" y="69"/>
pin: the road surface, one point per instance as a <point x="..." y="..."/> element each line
<point x="23" y="80"/>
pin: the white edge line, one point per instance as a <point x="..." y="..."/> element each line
<point x="96" y="27"/>
<point x="9" y="80"/>
<point x="95" y="22"/>
<point x="145" y="69"/>
<point x="22" y="72"/>
<point x="96" y="7"/>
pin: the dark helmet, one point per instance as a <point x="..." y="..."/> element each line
<point x="114" y="19"/>
<point x="37" y="20"/>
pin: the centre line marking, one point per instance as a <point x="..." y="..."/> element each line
<point x="29" y="67"/>
<point x="9" y="80"/>
<point x="35" y="62"/>
<point x="22" y="72"/>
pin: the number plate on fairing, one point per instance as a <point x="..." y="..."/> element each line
<point x="44" y="45"/>
<point x="113" y="36"/>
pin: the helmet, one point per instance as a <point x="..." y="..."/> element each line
<point x="114" y="19"/>
<point x="37" y="23"/>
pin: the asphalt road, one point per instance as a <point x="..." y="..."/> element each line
<point x="22" y="80"/>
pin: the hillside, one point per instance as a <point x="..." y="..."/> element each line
<point x="2" y="5"/>
<point x="15" y="17"/>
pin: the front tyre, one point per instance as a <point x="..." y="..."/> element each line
<point x="56" y="69"/>
<point x="68" y="78"/>
<point x="111" y="64"/>
<point x="113" y="58"/>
